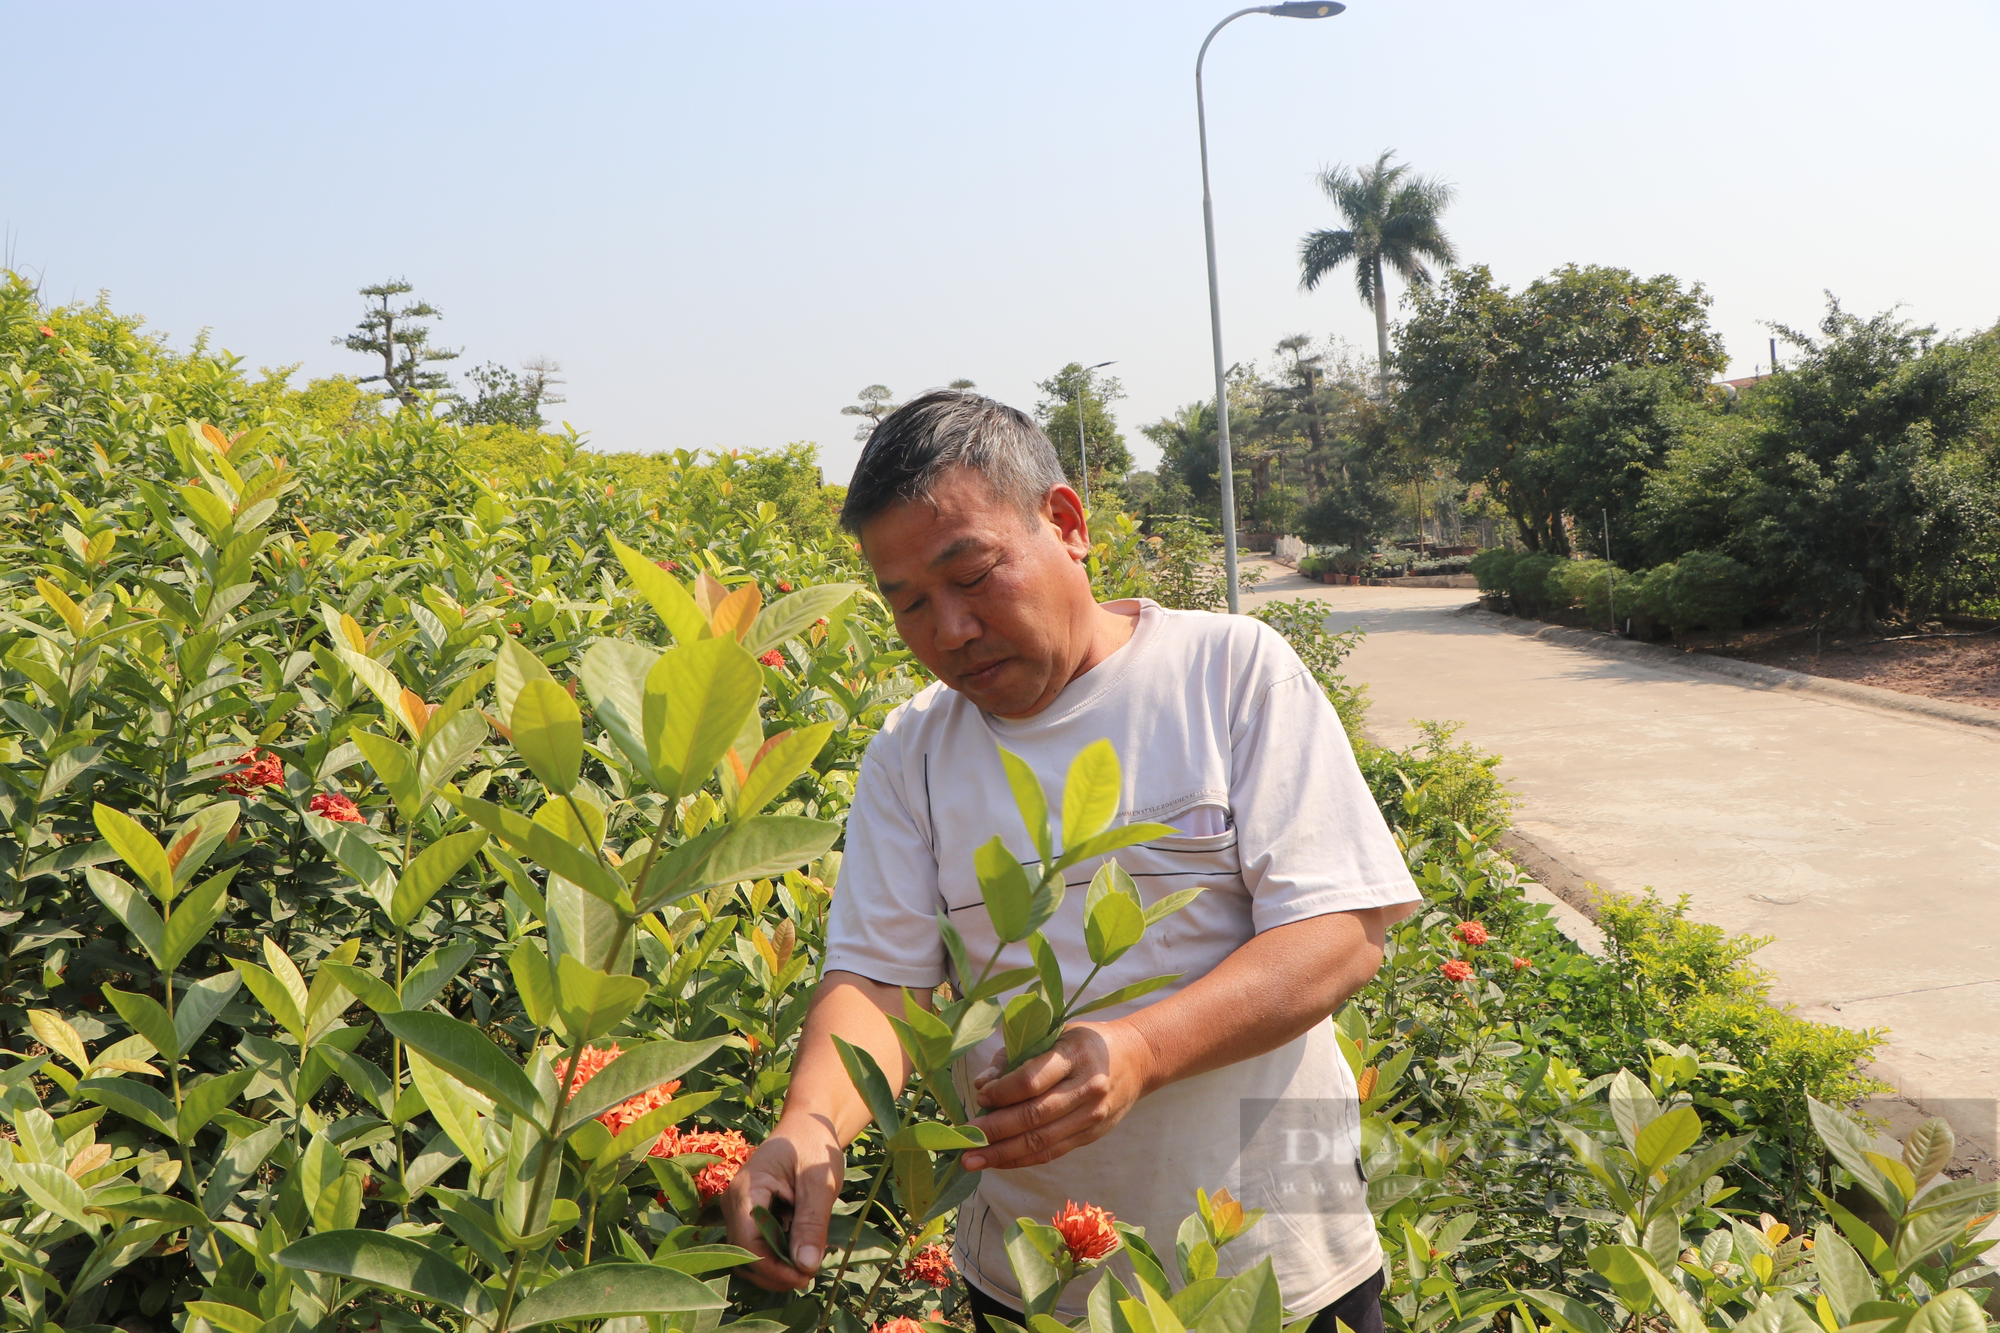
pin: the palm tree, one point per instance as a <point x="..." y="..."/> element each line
<point x="1390" y="220"/>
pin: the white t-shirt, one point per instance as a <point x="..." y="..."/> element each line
<point x="1222" y="733"/>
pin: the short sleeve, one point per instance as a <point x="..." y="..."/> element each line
<point x="883" y="924"/>
<point x="1309" y="835"/>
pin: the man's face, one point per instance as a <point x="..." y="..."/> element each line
<point x="997" y="606"/>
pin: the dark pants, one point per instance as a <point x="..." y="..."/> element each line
<point x="1360" y="1310"/>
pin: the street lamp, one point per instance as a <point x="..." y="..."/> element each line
<point x="1322" y="9"/>
<point x="1082" y="449"/>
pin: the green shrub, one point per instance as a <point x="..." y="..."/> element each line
<point x="1707" y="591"/>
<point x="1494" y="567"/>
<point x="1528" y="582"/>
<point x="1587" y="583"/>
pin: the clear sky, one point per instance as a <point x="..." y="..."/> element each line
<point x="723" y="221"/>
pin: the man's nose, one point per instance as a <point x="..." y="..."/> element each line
<point x="956" y="625"/>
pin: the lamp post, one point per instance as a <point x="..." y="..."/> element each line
<point x="1082" y="449"/>
<point x="1319" y="10"/>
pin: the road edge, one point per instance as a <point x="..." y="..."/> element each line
<point x="1749" y="673"/>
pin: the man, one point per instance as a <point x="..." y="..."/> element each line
<point x="1232" y="1076"/>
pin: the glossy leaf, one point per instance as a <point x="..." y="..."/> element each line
<point x="591" y="1002"/>
<point x="614" y="676"/>
<point x="393" y="1263"/>
<point x="1031" y="801"/>
<point x="547" y="731"/>
<point x="609" y="1291"/>
<point x="140" y="850"/>
<point x="1090" y="793"/>
<point x="792" y="616"/>
<point x="697" y="696"/>
<point x="429" y="871"/>
<point x="780" y="763"/>
<point x="469" y="1055"/>
<point x="640" y="1069"/>
<point x="670" y="599"/>
<point x="1004" y="886"/>
<point x="397" y="769"/>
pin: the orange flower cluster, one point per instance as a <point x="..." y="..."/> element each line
<point x="1472" y="932"/>
<point x="332" y="805"/>
<point x="727" y="1144"/>
<point x="39" y="456"/>
<point x="902" y="1323"/>
<point x="672" y="567"/>
<point x="931" y="1264"/>
<point x="619" y="1118"/>
<point x="784" y="586"/>
<point x="1522" y="964"/>
<point x="1087" y="1230"/>
<point x="254" y="772"/>
<point x="772" y="659"/>
<point x="1457" y="970"/>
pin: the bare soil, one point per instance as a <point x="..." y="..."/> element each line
<point x="1963" y="670"/>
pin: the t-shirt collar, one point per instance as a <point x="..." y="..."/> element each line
<point x="1095" y="683"/>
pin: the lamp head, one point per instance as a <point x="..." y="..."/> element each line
<point x="1316" y="9"/>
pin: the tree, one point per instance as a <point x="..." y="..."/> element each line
<point x="509" y="399"/>
<point x="1490" y="375"/>
<point x="1391" y="221"/>
<point x="875" y="403"/>
<point x="1614" y="435"/>
<point x="1109" y="458"/>
<point x="403" y="344"/>
<point x="1186" y="441"/>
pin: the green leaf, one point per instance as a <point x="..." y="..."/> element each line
<point x="148" y="1018"/>
<point x="381" y="683"/>
<point x="200" y="1004"/>
<point x="132" y="909"/>
<point x="397" y="769"/>
<point x="1003" y="884"/>
<point x="138" y="849"/>
<point x="198" y="837"/>
<point x="783" y="761"/>
<point x="355" y="855"/>
<point x="529" y="966"/>
<point x="614" y="1290"/>
<point x="591" y="1003"/>
<point x="548" y="734"/>
<point x="872" y="1084"/>
<point x="764" y="846"/>
<point x="1843" y="1277"/>
<point x="1048" y="966"/>
<point x="133" y="1100"/>
<point x="435" y="972"/>
<point x="429" y="871"/>
<point x="614" y="676"/>
<point x="1125" y="993"/>
<point x="1031" y="801"/>
<point x="697" y="696"/>
<point x="1666" y="1138"/>
<point x="51" y="1188"/>
<point x="274" y="996"/>
<point x="1090" y="793"/>
<point x="932" y="1136"/>
<point x="374" y="992"/>
<point x="1685" y="1314"/>
<point x="470" y="1056"/>
<point x="455" y="1107"/>
<point x="1170" y="904"/>
<point x="363" y="1077"/>
<point x="451" y="744"/>
<point x="706" y="1258"/>
<point x="1850" y="1146"/>
<point x="513" y="667"/>
<point x="392" y="1263"/>
<point x="1625" y="1268"/>
<point x="1114" y="924"/>
<point x="671" y="600"/>
<point x="1566" y="1312"/>
<point x="1954" y="1311"/>
<point x="792" y="616"/>
<point x="1114" y="839"/>
<point x="198" y="914"/>
<point x="640" y="1069"/>
<point x="1031" y="1251"/>
<point x="228" y="1318"/>
<point x="204" y="1100"/>
<point x="547" y="848"/>
<point x="1024" y="1023"/>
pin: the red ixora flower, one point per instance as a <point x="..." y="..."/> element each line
<point x="727" y="1144"/>
<point x="1522" y="964"/>
<point x="332" y="805"/>
<point x="784" y="586"/>
<point x="46" y="331"/>
<point x="1457" y="970"/>
<point x="591" y="1061"/>
<point x="39" y="456"/>
<point x="1472" y="932"/>
<point x="1087" y="1230"/>
<point x="772" y="659"/>
<point x="902" y="1323"/>
<point x="254" y="772"/>
<point x="931" y="1264"/>
<point x="671" y="566"/>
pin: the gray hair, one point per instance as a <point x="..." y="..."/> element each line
<point x="946" y="428"/>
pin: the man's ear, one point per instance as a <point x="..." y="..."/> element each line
<point x="1062" y="509"/>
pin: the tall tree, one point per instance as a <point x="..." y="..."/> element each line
<point x="396" y="335"/>
<point x="510" y="399"/>
<point x="1392" y="220"/>
<point x="1109" y="458"/>
<point x="876" y="402"/>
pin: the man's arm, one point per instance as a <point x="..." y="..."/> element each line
<point x="804" y="1159"/>
<point x="1268" y="992"/>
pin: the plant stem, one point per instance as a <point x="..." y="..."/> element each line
<point x="860" y="1219"/>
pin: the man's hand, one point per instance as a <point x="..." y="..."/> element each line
<point x="801" y="1164"/>
<point x="1068" y="1096"/>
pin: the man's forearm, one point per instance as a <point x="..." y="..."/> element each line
<point x="853" y="1008"/>
<point x="1267" y="993"/>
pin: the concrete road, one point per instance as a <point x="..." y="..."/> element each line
<point x="1865" y="842"/>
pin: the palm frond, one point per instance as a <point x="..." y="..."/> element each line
<point x="1321" y="252"/>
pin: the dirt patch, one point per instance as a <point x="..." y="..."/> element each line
<point x="1962" y="670"/>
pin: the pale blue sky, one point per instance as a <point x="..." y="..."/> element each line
<point x="724" y="221"/>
